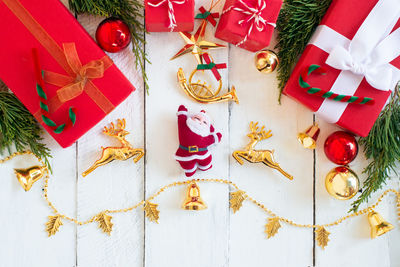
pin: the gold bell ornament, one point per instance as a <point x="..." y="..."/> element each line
<point x="27" y="177"/>
<point x="309" y="137"/>
<point x="378" y="225"/>
<point x="342" y="183"/>
<point x="193" y="201"/>
<point x="266" y="61"/>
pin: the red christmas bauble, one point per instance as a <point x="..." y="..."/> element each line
<point x="113" y="35"/>
<point x="341" y="147"/>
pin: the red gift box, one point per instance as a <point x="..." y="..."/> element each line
<point x="80" y="75"/>
<point x="248" y="24"/>
<point x="169" y="15"/>
<point x="356" y="50"/>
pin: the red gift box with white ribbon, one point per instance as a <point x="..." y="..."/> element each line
<point x="360" y="53"/>
<point x="77" y="74"/>
<point x="248" y="24"/>
<point x="169" y="15"/>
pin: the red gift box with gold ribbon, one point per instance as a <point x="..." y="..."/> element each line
<point x="359" y="54"/>
<point x="76" y="72"/>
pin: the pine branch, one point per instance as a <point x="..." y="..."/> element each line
<point x="129" y="11"/>
<point x="382" y="146"/>
<point x="19" y="129"/>
<point x="296" y="24"/>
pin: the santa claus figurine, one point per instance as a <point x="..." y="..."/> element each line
<point x="196" y="137"/>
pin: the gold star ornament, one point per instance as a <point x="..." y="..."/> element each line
<point x="195" y="44"/>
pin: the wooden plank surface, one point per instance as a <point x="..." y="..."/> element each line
<point x="213" y="237"/>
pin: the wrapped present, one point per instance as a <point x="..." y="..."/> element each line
<point x="359" y="54"/>
<point x="169" y="15"/>
<point x="248" y="24"/>
<point x="79" y="79"/>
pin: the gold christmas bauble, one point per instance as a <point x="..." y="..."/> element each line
<point x="266" y="61"/>
<point x="342" y="183"/>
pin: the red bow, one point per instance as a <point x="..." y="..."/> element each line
<point x="210" y="17"/>
<point x="211" y="66"/>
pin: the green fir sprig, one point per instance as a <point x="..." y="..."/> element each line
<point x="19" y="129"/>
<point x="296" y="24"/>
<point x="129" y="11"/>
<point x="382" y="147"/>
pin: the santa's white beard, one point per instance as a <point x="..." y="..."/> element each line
<point x="197" y="127"/>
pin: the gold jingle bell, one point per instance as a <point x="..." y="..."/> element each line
<point x="342" y="183"/>
<point x="309" y="137"/>
<point x="193" y="201"/>
<point x="266" y="61"/>
<point x="378" y="225"/>
<point x="27" y="177"/>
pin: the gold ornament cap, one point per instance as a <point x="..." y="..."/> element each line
<point x="342" y="183"/>
<point x="266" y="61"/>
<point x="309" y="137"/>
<point x="193" y="201"/>
<point x="378" y="225"/>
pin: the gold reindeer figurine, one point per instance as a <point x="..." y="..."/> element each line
<point x="124" y="152"/>
<point x="256" y="156"/>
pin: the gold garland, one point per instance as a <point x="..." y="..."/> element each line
<point x="237" y="197"/>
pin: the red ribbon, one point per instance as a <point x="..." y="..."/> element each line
<point x="215" y="67"/>
<point x="210" y="17"/>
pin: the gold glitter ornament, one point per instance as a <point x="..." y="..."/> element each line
<point x="342" y="183"/>
<point x="266" y="61"/>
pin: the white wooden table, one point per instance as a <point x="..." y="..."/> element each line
<point x="211" y="238"/>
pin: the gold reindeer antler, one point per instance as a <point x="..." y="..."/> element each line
<point x="262" y="133"/>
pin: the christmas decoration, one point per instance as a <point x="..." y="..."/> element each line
<point x="124" y="152"/>
<point x="207" y="15"/>
<point x="274" y="223"/>
<point x="203" y="93"/>
<point x="309" y="137"/>
<point x="322" y="236"/>
<point x="266" y="61"/>
<point x="130" y="12"/>
<point x="193" y="201"/>
<point x="53" y="225"/>
<point x="354" y="56"/>
<point x="77" y="72"/>
<point x="328" y="94"/>
<point x="169" y="15"/>
<point x="27" y="177"/>
<point x="210" y="65"/>
<point x="257" y="156"/>
<point x="195" y="44"/>
<point x="272" y="227"/>
<point x="113" y="35"/>
<point x="248" y="24"/>
<point x="382" y="149"/>
<point x="18" y="128"/>
<point x="105" y="223"/>
<point x="341" y="147"/>
<point x="295" y="26"/>
<point x="151" y="211"/>
<point x="236" y="200"/>
<point x="342" y="183"/>
<point x="196" y="137"/>
<point x="378" y="225"/>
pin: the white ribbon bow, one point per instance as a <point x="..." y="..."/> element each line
<point x="254" y="17"/>
<point x="171" y="12"/>
<point x="378" y="76"/>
